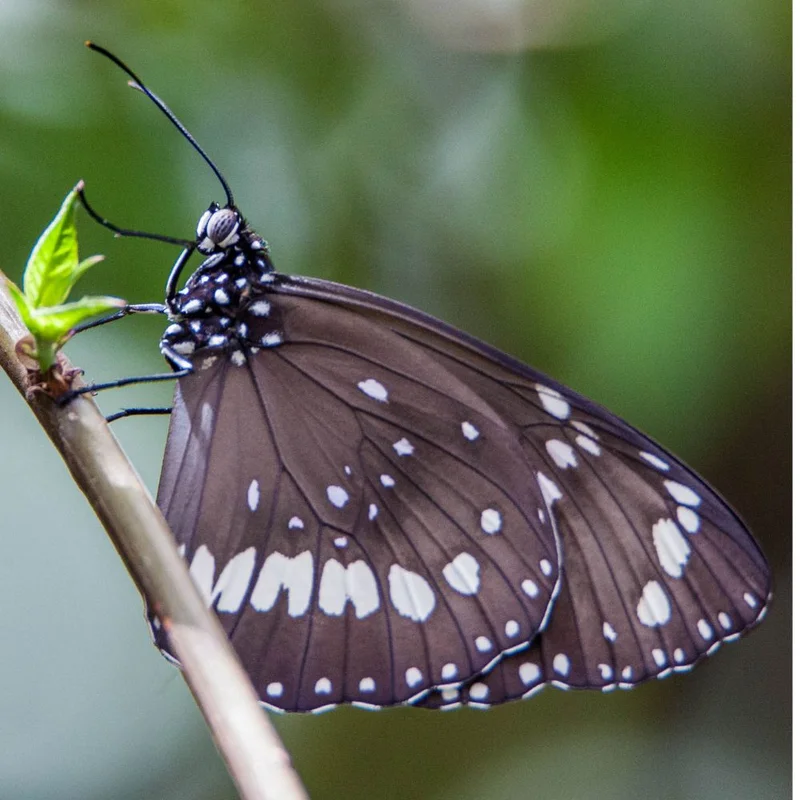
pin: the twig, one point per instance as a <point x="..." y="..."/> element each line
<point x="256" y="758"/>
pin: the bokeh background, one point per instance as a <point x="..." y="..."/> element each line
<point x="600" y="188"/>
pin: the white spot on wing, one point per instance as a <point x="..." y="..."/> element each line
<point x="323" y="686"/>
<point x="470" y="431"/>
<point x="546" y="567"/>
<point x="584" y="428"/>
<point x="609" y="632"/>
<point x="679" y="655"/>
<point x="512" y="628"/>
<point x="238" y="358"/>
<point x="230" y="588"/>
<point x="355" y="583"/>
<point x="659" y="657"/>
<point x="275" y="689"/>
<point x="553" y="401"/>
<point x="463" y="574"/>
<point x="253" y="495"/>
<point x="749" y="599"/>
<point x="366" y="685"/>
<point x="387" y="481"/>
<point x="295" y="575"/>
<point x="449" y="695"/>
<point x="403" y="447"/>
<point x="483" y="644"/>
<point x="478" y="691"/>
<point x="413" y="677"/>
<point x="561" y="453"/>
<point x="654" y="460"/>
<point x="338" y="496"/>
<point x="530" y="588"/>
<point x="654" y="607"/>
<point x="671" y="547"/>
<point x="491" y="521"/>
<point x="705" y="630"/>
<point x="561" y="664"/>
<point x="682" y="494"/>
<point x="606" y="673"/>
<point x="587" y="444"/>
<point x="374" y="389"/>
<point x="373" y="511"/>
<point x="410" y="594"/>
<point x="449" y="671"/>
<point x="222" y="297"/>
<point x="529" y="673"/>
<point x="549" y="490"/>
<point x="340" y="542"/>
<point x="688" y="519"/>
<point x="296" y="522"/>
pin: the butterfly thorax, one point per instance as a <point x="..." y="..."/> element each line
<point x="223" y="304"/>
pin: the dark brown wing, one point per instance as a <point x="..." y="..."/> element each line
<point x="376" y="505"/>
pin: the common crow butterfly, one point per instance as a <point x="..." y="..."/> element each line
<point x="382" y="509"/>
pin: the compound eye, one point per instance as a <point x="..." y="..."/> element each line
<point x="223" y="227"/>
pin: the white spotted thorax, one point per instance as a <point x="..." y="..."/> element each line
<point x="382" y="510"/>
<point x="216" y="310"/>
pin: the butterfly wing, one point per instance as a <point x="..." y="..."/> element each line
<point x="363" y="520"/>
<point x="399" y="505"/>
<point x="649" y="587"/>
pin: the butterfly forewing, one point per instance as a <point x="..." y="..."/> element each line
<point x="649" y="587"/>
<point x="373" y="531"/>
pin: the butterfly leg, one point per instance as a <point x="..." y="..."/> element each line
<point x="182" y="367"/>
<point x="99" y="387"/>
<point x="138" y="308"/>
<point x="137" y="412"/>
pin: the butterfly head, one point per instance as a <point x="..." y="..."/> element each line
<point x="218" y="229"/>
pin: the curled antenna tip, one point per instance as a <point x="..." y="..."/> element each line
<point x="89" y="43"/>
<point x="79" y="186"/>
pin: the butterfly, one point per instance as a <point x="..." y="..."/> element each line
<point x="384" y="510"/>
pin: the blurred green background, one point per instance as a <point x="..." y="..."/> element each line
<point x="599" y="187"/>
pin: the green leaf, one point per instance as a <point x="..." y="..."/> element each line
<point x="53" y="267"/>
<point x="52" y="270"/>
<point x="54" y="323"/>
<point x="21" y="302"/>
<point x="85" y="265"/>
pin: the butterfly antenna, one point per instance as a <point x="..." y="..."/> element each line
<point x="137" y="83"/>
